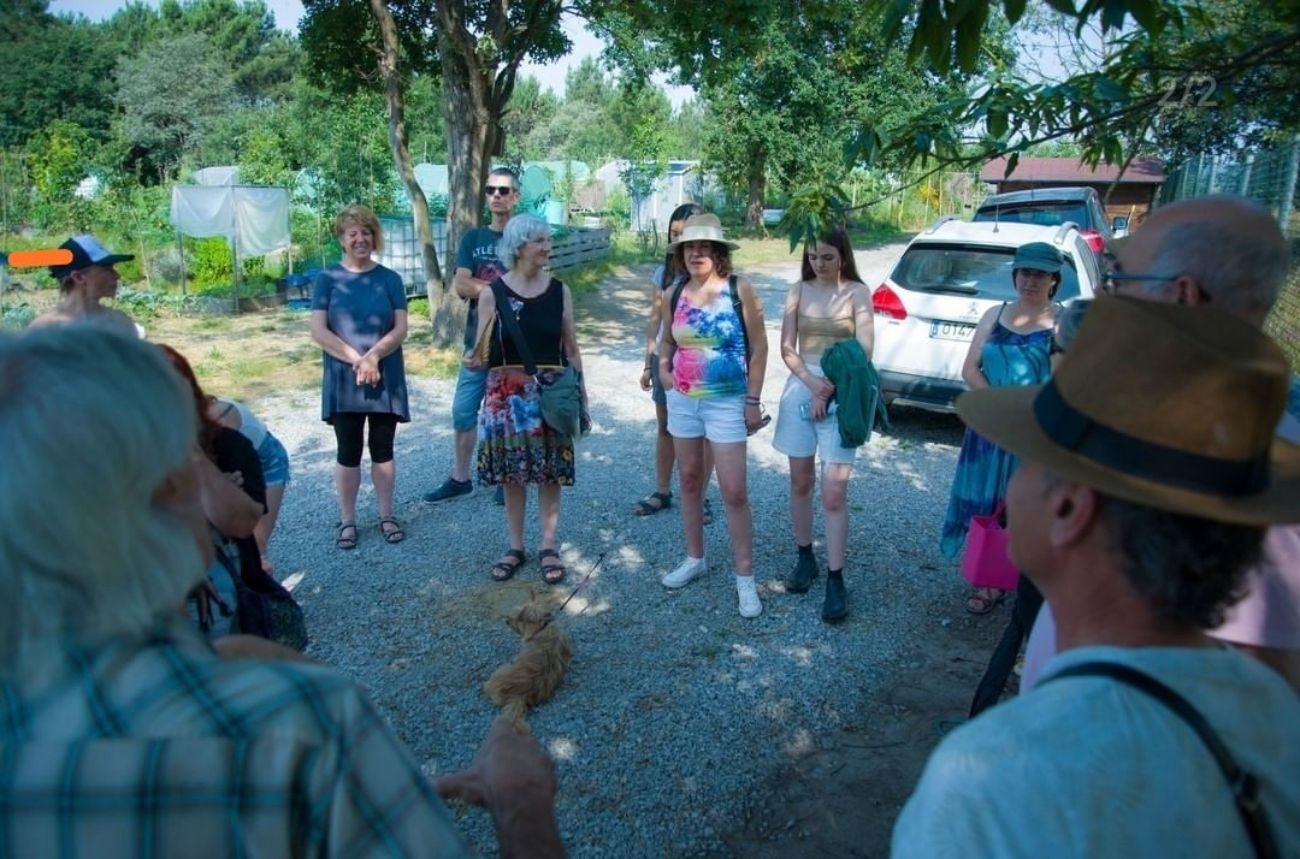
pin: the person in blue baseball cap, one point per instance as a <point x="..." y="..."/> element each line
<point x="84" y="282"/>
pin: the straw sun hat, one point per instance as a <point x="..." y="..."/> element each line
<point x="1171" y="406"/>
<point x="702" y="228"/>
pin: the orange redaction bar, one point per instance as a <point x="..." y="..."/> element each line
<point x="36" y="259"/>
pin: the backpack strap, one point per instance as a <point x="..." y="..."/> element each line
<point x="1244" y="785"/>
<point x="739" y="306"/>
<point x="736" y="304"/>
<point x="677" y="295"/>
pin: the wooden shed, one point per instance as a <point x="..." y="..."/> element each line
<point x="1133" y="196"/>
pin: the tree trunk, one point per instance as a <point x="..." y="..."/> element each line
<point x="470" y="141"/>
<point x="757" y="191"/>
<point x="476" y="87"/>
<point x="433" y="280"/>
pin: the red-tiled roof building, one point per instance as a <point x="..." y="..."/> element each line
<point x="1132" y="197"/>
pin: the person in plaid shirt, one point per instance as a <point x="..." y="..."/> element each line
<point x="122" y="732"/>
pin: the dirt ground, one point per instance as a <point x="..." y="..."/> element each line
<point x="843" y="797"/>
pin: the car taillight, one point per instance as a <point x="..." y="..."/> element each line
<point x="887" y="303"/>
<point x="1094" y="240"/>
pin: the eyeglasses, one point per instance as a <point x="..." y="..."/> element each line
<point x="499" y="190"/>
<point x="1112" y="280"/>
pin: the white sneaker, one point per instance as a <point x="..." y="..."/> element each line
<point x="747" y="591"/>
<point x="686" y="570"/>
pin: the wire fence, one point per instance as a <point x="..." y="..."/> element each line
<point x="1269" y="176"/>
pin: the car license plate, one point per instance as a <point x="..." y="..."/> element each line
<point x="961" y="331"/>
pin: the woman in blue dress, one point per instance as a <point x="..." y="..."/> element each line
<point x="358" y="318"/>
<point x="1011" y="347"/>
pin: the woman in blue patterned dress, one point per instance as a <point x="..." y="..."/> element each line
<point x="1011" y="347"/>
<point x="358" y="318"/>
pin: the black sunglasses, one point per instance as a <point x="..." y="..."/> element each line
<point x="499" y="190"/>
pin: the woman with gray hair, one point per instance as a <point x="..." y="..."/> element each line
<point x="516" y="447"/>
<point x="141" y="542"/>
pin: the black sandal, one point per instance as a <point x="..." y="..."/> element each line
<point x="655" y="502"/>
<point x="552" y="573"/>
<point x="343" y="542"/>
<point x="396" y="535"/>
<point x="504" y="571"/>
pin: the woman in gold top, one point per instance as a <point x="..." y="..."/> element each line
<point x="829" y="304"/>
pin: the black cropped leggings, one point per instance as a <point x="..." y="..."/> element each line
<point x="349" y="431"/>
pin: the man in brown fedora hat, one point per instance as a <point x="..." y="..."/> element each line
<point x="1142" y="497"/>
<point x="1226" y="252"/>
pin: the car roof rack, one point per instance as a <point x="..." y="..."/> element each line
<point x="1063" y="230"/>
<point x="939" y="223"/>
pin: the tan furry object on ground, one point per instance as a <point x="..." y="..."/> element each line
<point x="537" y="671"/>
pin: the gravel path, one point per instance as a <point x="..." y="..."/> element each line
<point x="675" y="709"/>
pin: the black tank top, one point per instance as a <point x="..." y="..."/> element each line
<point x="542" y="321"/>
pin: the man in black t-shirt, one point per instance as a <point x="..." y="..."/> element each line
<point x="476" y="267"/>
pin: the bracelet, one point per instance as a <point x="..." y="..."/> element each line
<point x="753" y="401"/>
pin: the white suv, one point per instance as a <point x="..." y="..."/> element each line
<point x="926" y="310"/>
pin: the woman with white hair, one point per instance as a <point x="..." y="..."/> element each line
<point x="516" y="446"/>
<point x="141" y="537"/>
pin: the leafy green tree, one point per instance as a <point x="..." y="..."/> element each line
<point x="479" y="46"/>
<point x="58" y="159"/>
<point x="782" y="112"/>
<point x="54" y="68"/>
<point x="1179" y="78"/>
<point x="528" y="115"/>
<point x="261" y="59"/>
<point x="170" y="95"/>
<point x="684" y="135"/>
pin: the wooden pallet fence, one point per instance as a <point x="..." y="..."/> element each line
<point x="580" y="245"/>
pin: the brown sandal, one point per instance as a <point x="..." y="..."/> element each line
<point x="552" y="573"/>
<point x="394" y="534"/>
<point x="504" y="571"/>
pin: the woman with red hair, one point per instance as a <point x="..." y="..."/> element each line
<point x="233" y="495"/>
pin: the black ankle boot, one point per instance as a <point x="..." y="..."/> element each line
<point x="836" y="606"/>
<point x="801" y="577"/>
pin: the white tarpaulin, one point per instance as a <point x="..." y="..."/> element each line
<point x="217" y="176"/>
<point x="254" y="219"/>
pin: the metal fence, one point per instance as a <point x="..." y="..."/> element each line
<point x="1269" y="176"/>
<point x="571" y="246"/>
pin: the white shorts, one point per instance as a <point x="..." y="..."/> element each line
<point x="720" y="419"/>
<point x="800" y="437"/>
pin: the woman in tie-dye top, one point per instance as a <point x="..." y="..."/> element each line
<point x="713" y="385"/>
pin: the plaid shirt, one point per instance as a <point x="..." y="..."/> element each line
<point x="156" y="747"/>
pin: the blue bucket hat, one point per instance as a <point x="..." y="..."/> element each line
<point x="1040" y="256"/>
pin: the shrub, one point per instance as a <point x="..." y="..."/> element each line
<point x="14" y="317"/>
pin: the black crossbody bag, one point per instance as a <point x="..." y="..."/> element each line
<point x="1244" y="785"/>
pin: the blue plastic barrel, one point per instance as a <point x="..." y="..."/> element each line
<point x="555" y="212"/>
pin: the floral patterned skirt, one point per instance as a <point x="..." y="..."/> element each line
<point x="514" y="444"/>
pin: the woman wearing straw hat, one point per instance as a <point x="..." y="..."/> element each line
<point x="663" y="280"/>
<point x="1011" y="348"/>
<point x="711" y="363"/>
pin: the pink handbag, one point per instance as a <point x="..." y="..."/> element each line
<point x="985" y="563"/>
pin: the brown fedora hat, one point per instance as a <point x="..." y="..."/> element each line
<point x="1171" y="406"/>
